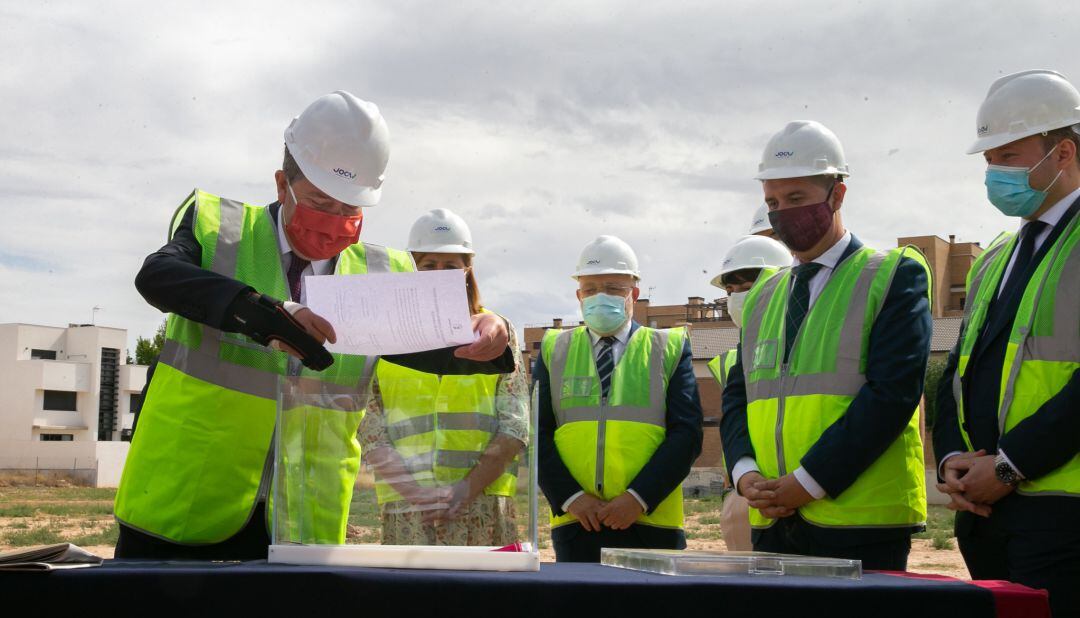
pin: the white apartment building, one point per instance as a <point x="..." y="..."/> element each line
<point x="67" y="400"/>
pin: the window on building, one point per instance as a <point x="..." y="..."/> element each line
<point x="962" y="298"/>
<point x="135" y="403"/>
<point x="42" y="354"/>
<point x="63" y="401"/>
<point x="57" y="437"/>
<point x="536" y="345"/>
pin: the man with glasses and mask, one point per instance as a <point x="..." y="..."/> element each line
<point x="196" y="482"/>
<point x="820" y="426"/>
<point x="1008" y="428"/>
<point x="620" y="417"/>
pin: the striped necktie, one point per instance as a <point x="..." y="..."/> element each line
<point x="605" y="364"/>
<point x="296" y="268"/>
<point x="799" y="303"/>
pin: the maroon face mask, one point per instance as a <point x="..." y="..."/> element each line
<point x="801" y="228"/>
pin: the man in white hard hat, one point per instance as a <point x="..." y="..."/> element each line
<point x="820" y="425"/>
<point x="1007" y="433"/>
<point x="741" y="267"/>
<point x="620" y="418"/>
<point x="196" y="480"/>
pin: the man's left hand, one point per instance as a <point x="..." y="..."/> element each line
<point x="981" y="484"/>
<point x="491" y="341"/>
<point x="788" y="492"/>
<point x="620" y="513"/>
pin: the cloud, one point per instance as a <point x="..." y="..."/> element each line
<point x="544" y="125"/>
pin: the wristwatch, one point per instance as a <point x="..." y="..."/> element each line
<point x="1004" y="471"/>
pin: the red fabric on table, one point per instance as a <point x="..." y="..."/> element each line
<point x="1010" y="600"/>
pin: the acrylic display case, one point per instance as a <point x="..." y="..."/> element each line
<point x="400" y="469"/>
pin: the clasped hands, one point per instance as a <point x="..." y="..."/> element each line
<point x="971" y="483"/>
<point x="775" y="498"/>
<point x="442" y="503"/>
<point x="618" y="514"/>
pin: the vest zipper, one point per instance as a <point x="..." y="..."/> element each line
<point x="781" y="464"/>
<point x="601" y="431"/>
<point x="264" y="482"/>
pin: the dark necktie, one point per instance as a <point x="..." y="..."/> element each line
<point x="799" y="303"/>
<point x="1024" y="252"/>
<point x="605" y="364"/>
<point x="296" y="269"/>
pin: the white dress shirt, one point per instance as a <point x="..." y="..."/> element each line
<point x="617" y="350"/>
<point x="319" y="267"/>
<point x="1051" y="218"/>
<point x="828" y="260"/>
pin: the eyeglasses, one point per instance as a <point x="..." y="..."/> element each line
<point x="745" y="275"/>
<point x="611" y="290"/>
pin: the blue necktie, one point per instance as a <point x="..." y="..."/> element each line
<point x="605" y="364"/>
<point x="799" y="303"/>
<point x="1025" y="251"/>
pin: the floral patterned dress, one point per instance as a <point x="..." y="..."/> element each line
<point x="487" y="520"/>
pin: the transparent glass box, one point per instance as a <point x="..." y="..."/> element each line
<point x="385" y="470"/>
<point x="694" y="562"/>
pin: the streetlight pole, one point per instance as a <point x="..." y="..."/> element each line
<point x="93" y="315"/>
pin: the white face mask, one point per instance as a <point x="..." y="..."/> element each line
<point x="735" y="305"/>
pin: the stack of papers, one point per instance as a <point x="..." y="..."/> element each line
<point x="48" y="558"/>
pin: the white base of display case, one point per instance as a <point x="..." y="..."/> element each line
<point x="406" y="557"/>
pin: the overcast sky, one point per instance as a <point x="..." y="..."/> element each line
<point x="542" y="124"/>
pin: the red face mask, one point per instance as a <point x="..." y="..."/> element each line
<point x="801" y="228"/>
<point x="320" y="235"/>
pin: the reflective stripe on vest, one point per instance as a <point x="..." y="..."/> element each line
<point x="606" y="442"/>
<point x="790" y="405"/>
<point x="720" y="372"/>
<point x="440" y="426"/>
<point x="1043" y="350"/>
<point x="202" y="457"/>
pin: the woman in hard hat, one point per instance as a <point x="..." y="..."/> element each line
<point x="444" y="448"/>
<point x="742" y="265"/>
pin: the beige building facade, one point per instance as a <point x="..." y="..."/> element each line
<point x="67" y="400"/>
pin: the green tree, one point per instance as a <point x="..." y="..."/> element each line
<point x="934" y="369"/>
<point x="146" y="350"/>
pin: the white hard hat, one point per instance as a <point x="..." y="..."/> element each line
<point x="607" y="255"/>
<point x="802" y="148"/>
<point x="440" y="231"/>
<point x="1024" y="104"/>
<point x="753" y="252"/>
<point x="761" y="220"/>
<point x="341" y="144"/>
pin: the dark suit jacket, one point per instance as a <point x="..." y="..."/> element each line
<point x="1038" y="444"/>
<point x="668" y="466"/>
<point x="895" y="370"/>
<point x="173" y="280"/>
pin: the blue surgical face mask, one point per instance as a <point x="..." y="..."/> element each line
<point x="604" y="313"/>
<point x="1009" y="188"/>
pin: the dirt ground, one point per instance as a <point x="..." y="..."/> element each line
<point x="38" y="515"/>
